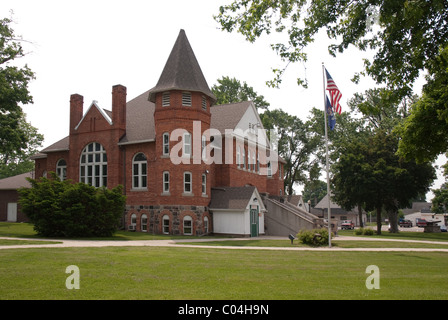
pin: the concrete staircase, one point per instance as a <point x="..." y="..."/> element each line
<point x="283" y="218"/>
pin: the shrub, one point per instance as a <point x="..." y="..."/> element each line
<point x="364" y="231"/>
<point x="314" y="237"/>
<point x="64" y="209"/>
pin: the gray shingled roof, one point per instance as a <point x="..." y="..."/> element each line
<point x="16" y="182"/>
<point x="182" y="71"/>
<point x="139" y="120"/>
<point x="231" y="197"/>
<point x="227" y="116"/>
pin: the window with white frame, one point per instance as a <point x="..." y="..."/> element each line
<point x="166" y="181"/>
<point x="166" y="144"/>
<point x="61" y="169"/>
<point x="186" y="99"/>
<point x="203" y="147"/>
<point x="238" y="156"/>
<point x="166" y="99"/>
<point x="166" y="224"/>
<point x="205" y="225"/>
<point x="139" y="171"/>
<point x="133" y="219"/>
<point x="244" y="158"/>
<point x="144" y="222"/>
<point x="187" y="182"/>
<point x="253" y="161"/>
<point x="188" y="226"/>
<point x="204" y="184"/>
<point x="93" y="165"/>
<point x="269" y="169"/>
<point x="187" y="145"/>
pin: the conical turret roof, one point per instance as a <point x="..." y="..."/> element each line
<point x="182" y="71"/>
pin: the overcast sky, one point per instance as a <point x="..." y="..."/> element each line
<point x="86" y="47"/>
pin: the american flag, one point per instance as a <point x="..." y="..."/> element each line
<point x="335" y="94"/>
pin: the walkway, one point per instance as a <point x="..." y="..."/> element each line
<point x="175" y="243"/>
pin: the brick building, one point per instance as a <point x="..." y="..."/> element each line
<point x="170" y="147"/>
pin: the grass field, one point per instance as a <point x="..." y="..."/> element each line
<point x="201" y="273"/>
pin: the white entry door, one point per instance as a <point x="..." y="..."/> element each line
<point x="12" y="212"/>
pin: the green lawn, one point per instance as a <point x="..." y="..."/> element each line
<point x="203" y="273"/>
<point x="190" y="273"/>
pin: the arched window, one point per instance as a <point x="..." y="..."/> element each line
<point x="93" y="165"/>
<point x="61" y="169"/>
<point x="144" y="222"/>
<point x="133" y="219"/>
<point x="166" y="224"/>
<point x="139" y="171"/>
<point x="188" y="226"/>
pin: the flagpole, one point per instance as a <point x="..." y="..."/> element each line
<point x="326" y="150"/>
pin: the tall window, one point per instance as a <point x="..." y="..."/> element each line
<point x="188" y="226"/>
<point x="269" y="169"/>
<point x="204" y="103"/>
<point x="244" y="159"/>
<point x="248" y="160"/>
<point x="61" y="169"/>
<point x="166" y="224"/>
<point x="187" y="182"/>
<point x="205" y="225"/>
<point x="166" y="182"/>
<point x="204" y="184"/>
<point x="238" y="156"/>
<point x="144" y="223"/>
<point x="166" y="144"/>
<point x="203" y="147"/>
<point x="139" y="171"/>
<point x="93" y="165"/>
<point x="187" y="145"/>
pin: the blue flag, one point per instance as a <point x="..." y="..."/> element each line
<point x="331" y="116"/>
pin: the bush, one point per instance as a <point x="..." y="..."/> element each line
<point x="314" y="237"/>
<point x="64" y="209"/>
<point x="364" y="231"/>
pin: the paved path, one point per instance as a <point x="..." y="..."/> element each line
<point x="175" y="243"/>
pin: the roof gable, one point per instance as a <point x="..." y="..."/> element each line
<point x="101" y="111"/>
<point x="234" y="198"/>
<point x="182" y="71"/>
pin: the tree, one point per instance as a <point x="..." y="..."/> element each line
<point x="64" y="209"/>
<point x="17" y="138"/>
<point x="230" y="90"/>
<point x="425" y="132"/>
<point x="440" y="200"/>
<point x="296" y="145"/>
<point x="405" y="35"/>
<point x="370" y="173"/>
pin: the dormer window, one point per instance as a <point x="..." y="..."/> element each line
<point x="166" y="99"/>
<point x="186" y="99"/>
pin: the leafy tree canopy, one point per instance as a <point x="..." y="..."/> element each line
<point x="405" y="35"/>
<point x="231" y="90"/>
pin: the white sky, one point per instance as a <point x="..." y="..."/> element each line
<point x="86" y="47"/>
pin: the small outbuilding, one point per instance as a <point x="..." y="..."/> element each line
<point x="9" y="197"/>
<point x="237" y="211"/>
